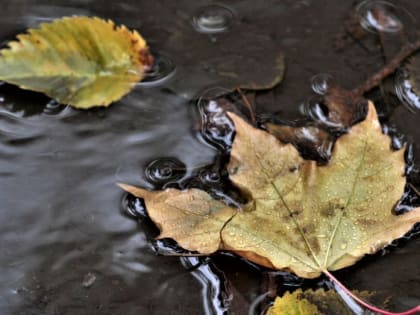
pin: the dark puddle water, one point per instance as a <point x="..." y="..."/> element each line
<point x="67" y="244"/>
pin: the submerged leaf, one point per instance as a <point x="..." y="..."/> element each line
<point x="309" y="302"/>
<point x="245" y="57"/>
<point x="80" y="61"/>
<point x="300" y="216"/>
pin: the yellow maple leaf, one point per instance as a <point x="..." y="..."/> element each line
<point x="300" y="217"/>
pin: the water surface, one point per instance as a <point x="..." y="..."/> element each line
<point x="62" y="213"/>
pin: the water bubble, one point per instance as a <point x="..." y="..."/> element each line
<point x="210" y="176"/>
<point x="321" y="82"/>
<point x="162" y="70"/>
<point x="405" y="92"/>
<point x="315" y="108"/>
<point x="216" y="127"/>
<point x="165" y="171"/>
<point x="53" y="108"/>
<point x="133" y="207"/>
<point x="379" y="16"/>
<point x="213" y="19"/>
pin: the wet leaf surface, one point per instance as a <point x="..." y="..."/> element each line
<point x="80" y="61"/>
<point x="300" y="216"/>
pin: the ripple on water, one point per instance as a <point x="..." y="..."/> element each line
<point x="133" y="207"/>
<point x="406" y="93"/>
<point x="380" y="16"/>
<point x="321" y="82"/>
<point x="54" y="108"/>
<point x="216" y="127"/>
<point x="163" y="69"/>
<point x="163" y="172"/>
<point x="210" y="176"/>
<point x="315" y="108"/>
<point x="213" y="18"/>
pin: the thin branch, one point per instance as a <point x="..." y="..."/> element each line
<point x="414" y="189"/>
<point x="388" y="69"/>
<point x="248" y="105"/>
<point x="412" y="311"/>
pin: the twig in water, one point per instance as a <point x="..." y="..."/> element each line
<point x="388" y="69"/>
<point x="248" y="105"/>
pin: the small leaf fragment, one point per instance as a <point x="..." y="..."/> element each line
<point x="293" y="304"/>
<point x="80" y="61"/>
<point x="309" y="302"/>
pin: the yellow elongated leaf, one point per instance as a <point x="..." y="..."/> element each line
<point x="80" y="61"/>
<point x="301" y="217"/>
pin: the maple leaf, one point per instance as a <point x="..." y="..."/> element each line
<point x="80" y="61"/>
<point x="300" y="217"/>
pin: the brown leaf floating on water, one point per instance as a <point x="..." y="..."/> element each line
<point x="300" y="217"/>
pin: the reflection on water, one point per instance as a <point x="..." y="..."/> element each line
<point x="321" y="82"/>
<point x="406" y="93"/>
<point x="379" y="16"/>
<point x="64" y="218"/>
<point x="165" y="171"/>
<point x="213" y="285"/>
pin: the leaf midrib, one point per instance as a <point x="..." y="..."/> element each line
<point x="74" y="75"/>
<point x="268" y="178"/>
<point x="356" y="179"/>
